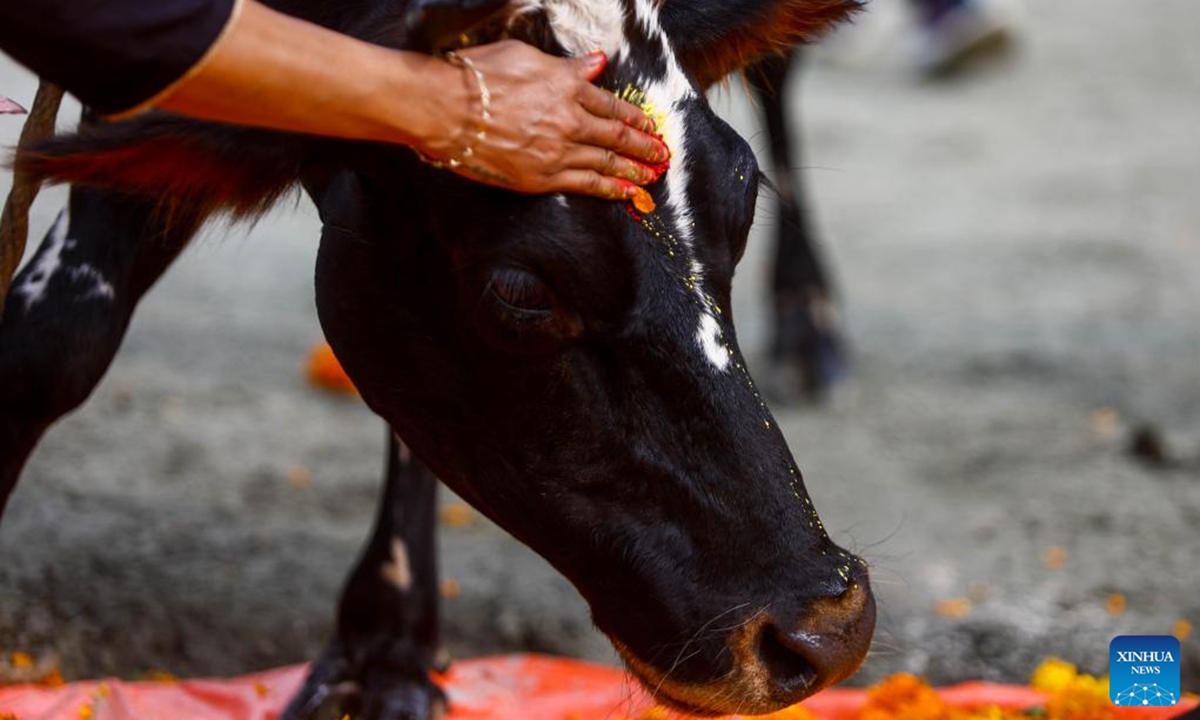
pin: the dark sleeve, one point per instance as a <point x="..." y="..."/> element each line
<point x="111" y="54"/>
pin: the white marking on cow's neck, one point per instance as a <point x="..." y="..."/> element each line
<point x="47" y="263"/>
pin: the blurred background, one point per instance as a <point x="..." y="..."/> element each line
<point x="1017" y="251"/>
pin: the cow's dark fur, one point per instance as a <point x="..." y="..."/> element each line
<point x="565" y="364"/>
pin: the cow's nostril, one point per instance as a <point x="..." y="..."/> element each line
<point x="789" y="669"/>
<point x="825" y="646"/>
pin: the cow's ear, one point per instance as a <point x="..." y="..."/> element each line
<point x="434" y="25"/>
<point x="714" y="38"/>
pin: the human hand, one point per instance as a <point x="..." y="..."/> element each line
<point x="550" y="128"/>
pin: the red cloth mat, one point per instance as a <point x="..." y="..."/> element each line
<point x="517" y="687"/>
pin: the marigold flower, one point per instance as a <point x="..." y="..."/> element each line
<point x="1182" y="630"/>
<point x="457" y="515"/>
<point x="1055" y="558"/>
<point x="1079" y="703"/>
<point x="1053" y="675"/>
<point x="643" y="201"/>
<point x="326" y="373"/>
<point x="953" y="608"/>
<point x="903" y="697"/>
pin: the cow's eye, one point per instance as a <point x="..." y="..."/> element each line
<point x="521" y="291"/>
<point x="523" y="315"/>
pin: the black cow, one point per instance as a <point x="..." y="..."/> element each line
<point x="807" y="349"/>
<point x="567" y="365"/>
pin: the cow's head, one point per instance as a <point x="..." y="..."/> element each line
<point x="570" y="366"/>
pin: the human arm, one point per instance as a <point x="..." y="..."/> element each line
<point x="550" y="131"/>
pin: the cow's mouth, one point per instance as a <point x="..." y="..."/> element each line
<point x="659" y="689"/>
<point x="742" y="690"/>
<point x="773" y="668"/>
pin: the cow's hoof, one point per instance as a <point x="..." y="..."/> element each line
<point x="333" y="692"/>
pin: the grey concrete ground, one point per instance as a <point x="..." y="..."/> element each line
<point x="1016" y="253"/>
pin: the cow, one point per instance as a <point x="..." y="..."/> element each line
<point x="567" y="365"/>
<point x="807" y="347"/>
<point x="807" y="350"/>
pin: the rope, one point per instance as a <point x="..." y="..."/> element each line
<point x="14" y="223"/>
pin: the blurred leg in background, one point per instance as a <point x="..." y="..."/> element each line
<point x="806" y="351"/>
<point x="954" y="33"/>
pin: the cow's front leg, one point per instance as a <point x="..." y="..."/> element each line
<point x="387" y="639"/>
<point x="807" y="352"/>
<point x="69" y="307"/>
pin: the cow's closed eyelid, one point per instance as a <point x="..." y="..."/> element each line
<point x="521" y="292"/>
<point x="522" y="314"/>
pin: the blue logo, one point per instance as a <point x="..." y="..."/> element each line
<point x="1143" y="670"/>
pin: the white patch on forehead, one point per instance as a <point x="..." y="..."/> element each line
<point x="49" y="258"/>
<point x="647" y="16"/>
<point x="585" y="26"/>
<point x="398" y="571"/>
<point x="670" y="94"/>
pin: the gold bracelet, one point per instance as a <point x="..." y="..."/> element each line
<point x="485" y="115"/>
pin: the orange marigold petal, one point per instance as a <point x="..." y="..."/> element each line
<point x="326" y="373"/>
<point x="457" y="515"/>
<point x="954" y="608"/>
<point x="643" y="201"/>
<point x="1182" y="630"/>
<point x="1055" y="558"/>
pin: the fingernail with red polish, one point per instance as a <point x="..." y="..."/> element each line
<point x="597" y="60"/>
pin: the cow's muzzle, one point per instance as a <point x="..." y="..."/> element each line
<point x="780" y="657"/>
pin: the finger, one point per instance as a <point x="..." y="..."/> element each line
<point x="590" y="182"/>
<point x="591" y="65"/>
<point x="607" y="162"/>
<point x="604" y="104"/>
<point x="623" y="140"/>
